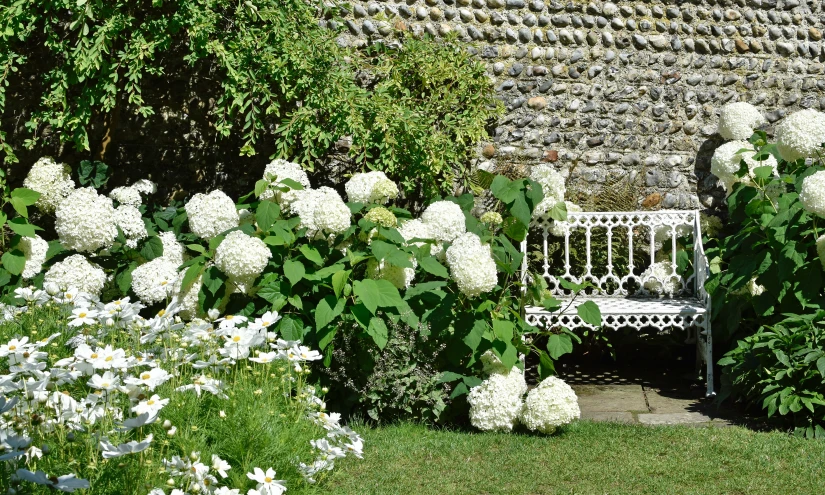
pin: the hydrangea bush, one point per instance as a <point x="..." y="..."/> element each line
<point x="768" y="266"/>
<point x="326" y="265"/>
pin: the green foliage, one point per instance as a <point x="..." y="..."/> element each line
<point x="767" y="265"/>
<point x="782" y="369"/>
<point x="415" y="111"/>
<point x="14" y="226"/>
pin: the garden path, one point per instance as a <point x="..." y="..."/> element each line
<point x="647" y="396"/>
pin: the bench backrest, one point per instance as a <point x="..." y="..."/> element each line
<point x="610" y="243"/>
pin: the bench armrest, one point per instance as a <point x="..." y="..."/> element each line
<point x="700" y="263"/>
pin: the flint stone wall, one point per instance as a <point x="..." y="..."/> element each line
<point x="626" y="87"/>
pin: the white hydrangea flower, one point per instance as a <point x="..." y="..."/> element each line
<point x="820" y="249"/>
<point x="242" y="256"/>
<point x="399" y="276"/>
<point x="130" y="221"/>
<point x="283" y="169"/>
<point x="659" y="279"/>
<point x="34" y="249"/>
<point x="210" y="214"/>
<point x="472" y="265"/>
<point x="445" y="220"/>
<point x="321" y="211"/>
<point x="559" y="228"/>
<point x="76" y="272"/>
<point x="145" y="186"/>
<point x="550" y="405"/>
<point x="188" y="299"/>
<point x="726" y="162"/>
<point x="552" y="185"/>
<point x="812" y="193"/>
<point x="416" y="229"/>
<point x="52" y="180"/>
<point x="754" y="288"/>
<point x="662" y="234"/>
<point x="495" y="404"/>
<point x="738" y="120"/>
<point x="172" y="248"/>
<point x="126" y="196"/>
<point x="800" y="134"/>
<point x="154" y="281"/>
<point x="371" y="187"/>
<point x="85" y="221"/>
<point x="711" y="225"/>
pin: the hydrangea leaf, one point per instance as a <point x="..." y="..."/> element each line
<point x="503" y="330"/>
<point x="327" y="310"/>
<point x="312" y="255"/>
<point x="339" y="280"/>
<point x="546" y="366"/>
<point x="559" y="345"/>
<point x="14" y="261"/>
<point x="325" y="336"/>
<point x="431" y="265"/>
<point x="23" y="228"/>
<point x="294" y="271"/>
<point x="25" y="196"/>
<point x="377" y="329"/>
<point x="267" y="214"/>
<point x="291" y="328"/>
<point x="376" y="294"/>
<point x="476" y="334"/>
<point x="590" y="313"/>
<point x="151" y="248"/>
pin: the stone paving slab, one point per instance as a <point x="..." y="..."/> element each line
<point x="661" y="404"/>
<point x="609" y="416"/>
<point x="611" y="398"/>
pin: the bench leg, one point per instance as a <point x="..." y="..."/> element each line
<point x="709" y="359"/>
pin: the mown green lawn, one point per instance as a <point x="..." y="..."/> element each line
<point x="587" y="458"/>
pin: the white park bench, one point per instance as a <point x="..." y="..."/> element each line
<point x="620" y="290"/>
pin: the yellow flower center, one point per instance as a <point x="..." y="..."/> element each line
<point x="229" y="317"/>
<point x="150" y="402"/>
<point x="145" y="376"/>
<point x="105" y="384"/>
<point x="109" y="358"/>
<point x="94" y="355"/>
<point x="236" y="338"/>
<point x="161" y="312"/>
<point x="267" y="480"/>
<point x="12" y="347"/>
<point x="81" y="315"/>
<point x="163" y="283"/>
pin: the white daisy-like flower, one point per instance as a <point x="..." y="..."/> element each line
<point x="471" y="265"/>
<point x="445" y="220"/>
<point x="552" y="185"/>
<point x="495" y="404"/>
<point x="738" y="120"/>
<point x="34" y="249"/>
<point x="801" y="134"/>
<point x="242" y="256"/>
<point x="76" y="272"/>
<point x="211" y="214"/>
<point x="371" y="187"/>
<point x="52" y="180"/>
<point x="85" y="221"/>
<point x="812" y="193"/>
<point x="267" y="484"/>
<point x="111" y="451"/>
<point x="279" y="169"/>
<point x="550" y="405"/>
<point x="154" y="281"/>
<point x="130" y="221"/>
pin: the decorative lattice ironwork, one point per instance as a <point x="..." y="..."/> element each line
<point x="622" y="294"/>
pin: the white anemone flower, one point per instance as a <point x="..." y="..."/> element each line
<point x="111" y="451"/>
<point x="267" y="484"/>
